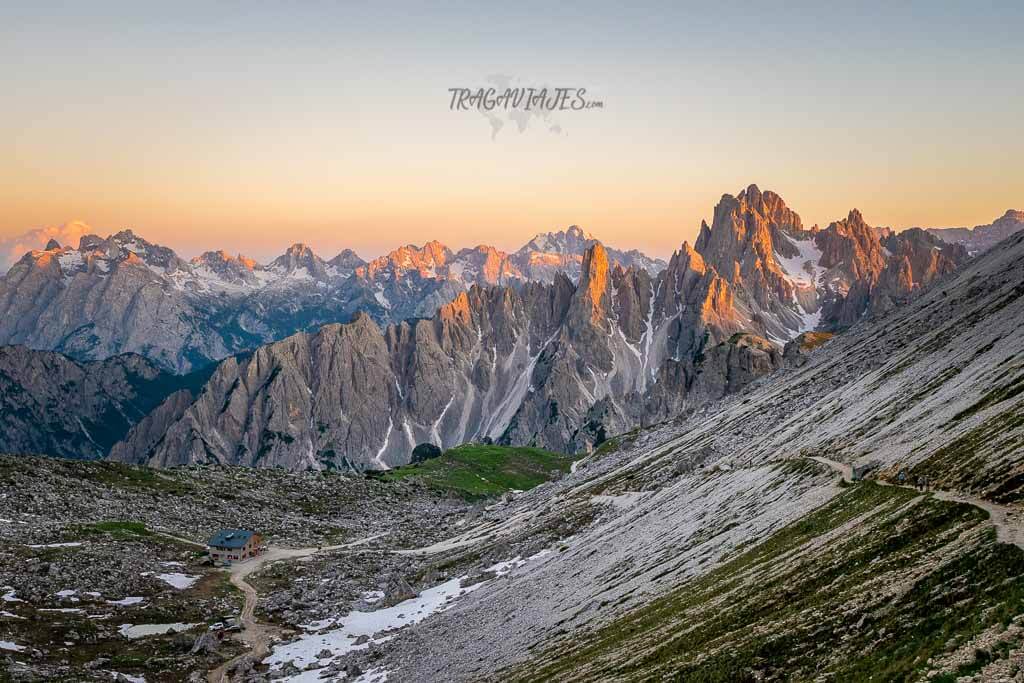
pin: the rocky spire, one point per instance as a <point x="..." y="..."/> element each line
<point x="300" y="256"/>
<point x="592" y="298"/>
<point x="852" y="245"/>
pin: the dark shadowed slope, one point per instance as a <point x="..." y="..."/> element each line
<point x="53" y="405"/>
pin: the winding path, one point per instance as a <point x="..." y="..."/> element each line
<point x="842" y="468"/>
<point x="1008" y="520"/>
<point x="257" y="635"/>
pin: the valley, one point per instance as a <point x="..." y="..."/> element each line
<point x="98" y="560"/>
<point x="707" y="473"/>
<point x="310" y="372"/>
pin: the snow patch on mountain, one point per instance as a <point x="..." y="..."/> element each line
<point x="803" y="269"/>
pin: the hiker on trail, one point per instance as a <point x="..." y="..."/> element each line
<point x="920" y="484"/>
<point x="902" y="477"/>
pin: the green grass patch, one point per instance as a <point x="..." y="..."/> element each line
<point x="608" y="447"/>
<point x="117" y="529"/>
<point x="962" y="463"/>
<point x="479" y="471"/>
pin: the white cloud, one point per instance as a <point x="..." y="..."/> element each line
<point x="13" y="248"/>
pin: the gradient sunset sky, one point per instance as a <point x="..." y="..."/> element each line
<point x="249" y="126"/>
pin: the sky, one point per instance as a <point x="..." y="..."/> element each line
<point x="250" y="126"/>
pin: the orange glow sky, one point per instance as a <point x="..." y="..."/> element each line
<point x="251" y="128"/>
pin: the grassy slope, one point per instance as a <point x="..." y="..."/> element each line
<point x="477" y="471"/>
<point x="872" y="604"/>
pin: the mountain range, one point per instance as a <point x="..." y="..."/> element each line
<point x="981" y="238"/>
<point x="559" y="365"/>
<point x="123" y="294"/>
<point x="483" y="345"/>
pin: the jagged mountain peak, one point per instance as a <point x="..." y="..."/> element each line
<point x="435" y="247"/>
<point x="788" y="280"/>
<point x="482" y="249"/>
<point x="221" y="256"/>
<point x="751" y="237"/>
<point x="595" y="259"/>
<point x="551" y="252"/>
<point x="300" y="261"/>
<point x="433" y="251"/>
<point x="409" y="258"/>
<point x="298" y="250"/>
<point x="593" y="287"/>
<point x="751" y="191"/>
<point x="767" y="204"/>
<point x="364" y="320"/>
<point x="126" y="235"/>
<point x="685" y="262"/>
<point x="347" y="261"/>
<point x="854" y="221"/>
<point x="577" y="232"/>
<point x="121" y="247"/>
<point x="571" y="240"/>
<point x="851" y="241"/>
<point x="228" y="268"/>
<point x="744" y="224"/>
<point x="1012" y="216"/>
<point x="686" y="250"/>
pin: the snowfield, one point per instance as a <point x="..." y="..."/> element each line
<point x="339" y="636"/>
<point x="803" y="269"/>
<point x="142" y="630"/>
<point x="178" y="580"/>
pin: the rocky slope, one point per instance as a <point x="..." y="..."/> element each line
<point x="95" y="557"/>
<point x="718" y="550"/>
<point x="124" y="294"/>
<point x="981" y="238"/>
<point x="53" y="405"/>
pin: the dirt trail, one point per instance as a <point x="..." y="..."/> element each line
<point x="1008" y="520"/>
<point x="842" y="468"/>
<point x="179" y="539"/>
<point x="257" y="635"/>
